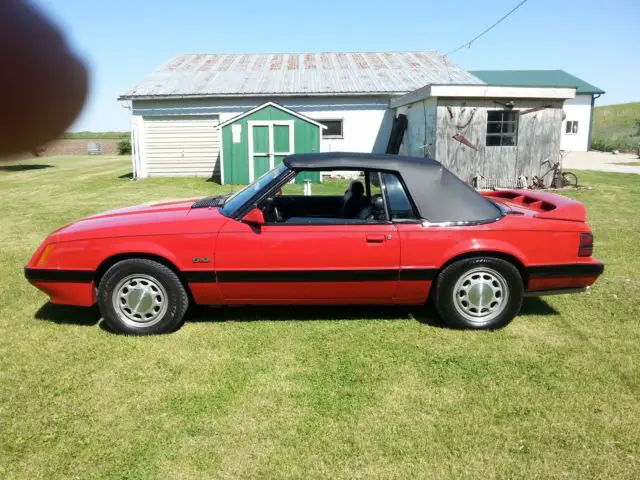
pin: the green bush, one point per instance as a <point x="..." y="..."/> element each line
<point x="624" y="144"/>
<point x="124" y="146"/>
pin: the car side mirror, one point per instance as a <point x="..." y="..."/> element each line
<point x="254" y="217"/>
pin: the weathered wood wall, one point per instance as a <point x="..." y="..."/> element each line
<point x="538" y="140"/>
<point x="420" y="137"/>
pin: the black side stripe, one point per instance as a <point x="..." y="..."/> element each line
<point x="275" y="276"/>
<point x="258" y="276"/>
<point x="265" y="276"/>
<point x="199" y="276"/>
<point x="296" y="276"/>
<point x="65" y="276"/>
<point x="417" y="274"/>
<point x="570" y="270"/>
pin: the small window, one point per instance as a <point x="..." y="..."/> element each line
<point x="333" y="130"/>
<point x="571" y="127"/>
<point x="502" y="128"/>
<point x="400" y="207"/>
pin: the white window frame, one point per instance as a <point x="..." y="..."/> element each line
<point x="571" y="123"/>
<point x="334" y="119"/>
<point x="502" y="122"/>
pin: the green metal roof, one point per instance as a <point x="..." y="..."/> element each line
<point x="535" y="78"/>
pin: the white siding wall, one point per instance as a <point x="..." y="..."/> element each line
<point x="180" y="146"/>
<point x="367" y="121"/>
<point x="578" y="108"/>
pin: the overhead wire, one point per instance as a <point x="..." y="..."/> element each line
<point x="468" y="44"/>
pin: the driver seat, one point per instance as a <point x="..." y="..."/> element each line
<point x="353" y="200"/>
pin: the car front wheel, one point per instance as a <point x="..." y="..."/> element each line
<point x="142" y="297"/>
<point x="479" y="293"/>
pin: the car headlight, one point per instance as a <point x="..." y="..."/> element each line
<point x="44" y="256"/>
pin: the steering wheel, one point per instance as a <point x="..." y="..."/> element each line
<point x="277" y="215"/>
<point x="271" y="212"/>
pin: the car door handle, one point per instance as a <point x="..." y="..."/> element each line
<point x="375" y="238"/>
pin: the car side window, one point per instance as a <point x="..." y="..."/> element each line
<point x="336" y="197"/>
<point x="400" y="207"/>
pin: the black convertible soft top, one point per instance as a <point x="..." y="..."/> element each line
<point x="439" y="195"/>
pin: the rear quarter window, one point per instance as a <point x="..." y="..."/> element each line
<point x="400" y="207"/>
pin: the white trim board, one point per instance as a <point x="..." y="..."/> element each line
<point x="482" y="91"/>
<point x="275" y="105"/>
<point x="222" y="182"/>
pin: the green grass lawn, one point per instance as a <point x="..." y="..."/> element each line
<point x="312" y="392"/>
<point x="629" y="164"/>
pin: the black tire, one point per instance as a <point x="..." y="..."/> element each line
<point x="452" y="282"/>
<point x="162" y="290"/>
<point x="569" y="179"/>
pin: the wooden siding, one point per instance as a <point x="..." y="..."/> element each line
<point x="420" y="137"/>
<point x="538" y="140"/>
<point x="181" y="146"/>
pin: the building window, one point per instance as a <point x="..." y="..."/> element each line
<point x="571" y="127"/>
<point x="333" y="130"/>
<point x="502" y="128"/>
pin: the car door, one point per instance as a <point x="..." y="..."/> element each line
<point x="314" y="263"/>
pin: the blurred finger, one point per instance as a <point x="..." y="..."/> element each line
<point x="43" y="86"/>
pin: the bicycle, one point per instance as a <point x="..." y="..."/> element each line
<point x="559" y="179"/>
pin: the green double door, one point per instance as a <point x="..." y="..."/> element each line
<point x="269" y="142"/>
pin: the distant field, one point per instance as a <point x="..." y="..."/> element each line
<point x="617" y="127"/>
<point x="95" y="135"/>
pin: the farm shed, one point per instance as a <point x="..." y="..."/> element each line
<point x="177" y="110"/>
<point x="577" y="122"/>
<point x="496" y="132"/>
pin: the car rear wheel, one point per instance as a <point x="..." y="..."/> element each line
<point x="142" y="297"/>
<point x="479" y="293"/>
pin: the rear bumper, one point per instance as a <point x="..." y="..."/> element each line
<point x="558" y="291"/>
<point x="565" y="278"/>
<point x="64" y="287"/>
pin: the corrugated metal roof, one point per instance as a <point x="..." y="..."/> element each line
<point x="535" y="78"/>
<point x="299" y="74"/>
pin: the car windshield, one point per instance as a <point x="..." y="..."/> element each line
<point x="235" y="201"/>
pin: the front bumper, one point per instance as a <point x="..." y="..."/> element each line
<point x="64" y="287"/>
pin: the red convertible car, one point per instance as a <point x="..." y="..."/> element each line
<point x="409" y="231"/>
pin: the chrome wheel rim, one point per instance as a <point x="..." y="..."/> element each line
<point x="140" y="300"/>
<point x="480" y="295"/>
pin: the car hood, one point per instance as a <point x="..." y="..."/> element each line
<point x="165" y="218"/>
<point x="147" y="208"/>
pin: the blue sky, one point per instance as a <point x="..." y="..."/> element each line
<point x="122" y="41"/>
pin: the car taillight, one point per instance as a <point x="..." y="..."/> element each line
<point x="586" y="245"/>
